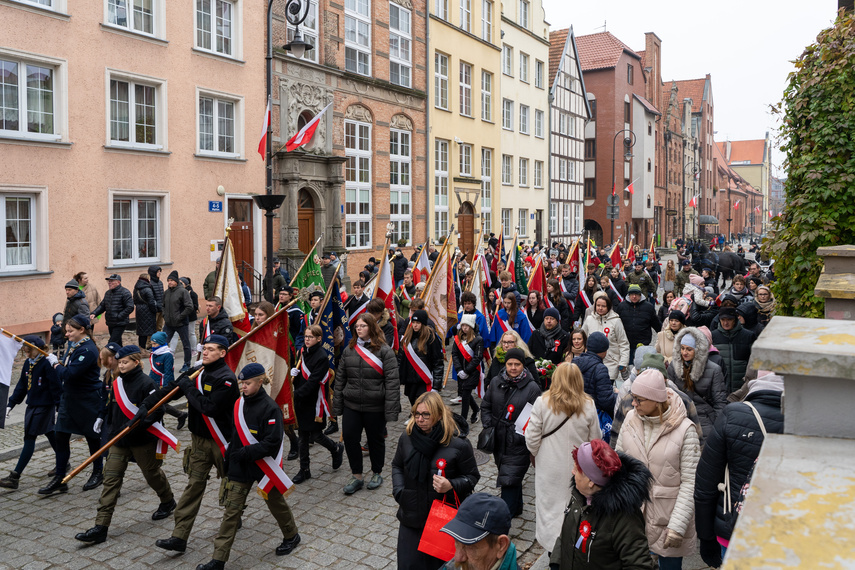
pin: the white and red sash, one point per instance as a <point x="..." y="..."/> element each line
<point x="213" y="428"/>
<point x="404" y="293"/>
<point x="160" y="350"/>
<point x="548" y="302"/>
<point x="585" y="298"/>
<point x="563" y="286"/>
<point x="274" y="476"/>
<point x="322" y="395"/>
<point x="370" y="358"/>
<point x="613" y="288"/>
<point x="468" y="355"/>
<point x="419" y="366"/>
<point x="352" y="319"/>
<point x="164" y="438"/>
<point x="207" y="328"/>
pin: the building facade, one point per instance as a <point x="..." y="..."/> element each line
<point x="138" y="125"/>
<point x="752" y="160"/>
<point x="569" y="112"/>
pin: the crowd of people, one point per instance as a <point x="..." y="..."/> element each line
<point x="627" y="389"/>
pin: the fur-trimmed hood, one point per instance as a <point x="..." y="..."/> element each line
<point x="696" y="294"/>
<point x="702" y="352"/>
<point x="626" y="491"/>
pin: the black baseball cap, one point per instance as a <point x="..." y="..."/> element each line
<point x="479" y="514"/>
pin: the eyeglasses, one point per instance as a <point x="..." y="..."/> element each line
<point x="421" y="415"/>
<point x="508" y="342"/>
<point x="638" y="400"/>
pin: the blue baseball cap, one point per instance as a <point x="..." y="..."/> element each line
<point x="479" y="514"/>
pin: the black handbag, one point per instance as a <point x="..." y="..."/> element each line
<point x="486" y="439"/>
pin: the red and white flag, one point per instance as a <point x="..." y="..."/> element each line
<point x="693" y="203"/>
<point x="228" y="289"/>
<point x="306" y="133"/>
<point x="262" y="143"/>
<point x="421" y="269"/>
<point x="631" y="188"/>
<point x="736" y="206"/>
<point x="757" y="209"/>
<point x="770" y="214"/>
<point x="385" y="289"/>
<point x="440" y="302"/>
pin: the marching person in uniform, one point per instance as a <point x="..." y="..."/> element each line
<point x="310" y="401"/>
<point x="296" y="316"/>
<point x="216" y="322"/>
<point x="210" y="400"/>
<point x="421" y="365"/>
<point x="254" y="454"/>
<point x="146" y="444"/>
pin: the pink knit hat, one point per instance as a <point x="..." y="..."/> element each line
<point x="650" y="384"/>
<point x="696" y="280"/>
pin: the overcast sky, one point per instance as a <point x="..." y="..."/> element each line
<point x="746" y="46"/>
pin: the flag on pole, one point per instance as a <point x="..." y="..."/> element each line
<point x="614" y="187"/>
<point x="308" y="275"/>
<point x="331" y="317"/>
<point x="519" y="271"/>
<point x="573" y="257"/>
<point x="757" y="209"/>
<point x="693" y="203"/>
<point x="262" y="143"/>
<point x="9" y="347"/>
<point x="229" y="290"/>
<point x="736" y="206"/>
<point x="630" y="251"/>
<point x="770" y="214"/>
<point x="480" y="267"/>
<point x="615" y="255"/>
<point x="537" y="281"/>
<point x="440" y="302"/>
<point x="304" y="135"/>
<point x="631" y="188"/>
<point x="385" y="290"/>
<point x="421" y="269"/>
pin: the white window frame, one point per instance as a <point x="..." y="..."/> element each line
<point x="58" y="6"/>
<point x="465" y="162"/>
<point x="158" y="18"/>
<point x="440" y="80"/>
<point x="135" y="196"/>
<point x="553" y="218"/>
<point x="522" y="221"/>
<point x="562" y="169"/>
<point x="565" y="207"/>
<point x="236" y="51"/>
<point x="486" y="189"/>
<point x="403" y="185"/>
<point x="507" y="170"/>
<point x="507" y="60"/>
<point x="238" y="133"/>
<point x="523" y="173"/>
<point x="441" y="11"/>
<point x="525" y="14"/>
<point x="507" y="114"/>
<point x="358" y="217"/>
<point x="358" y="18"/>
<point x="571" y="170"/>
<point x="524" y="119"/>
<point x="466" y="15"/>
<point x="577" y="218"/>
<point x="486" y="96"/>
<point x="396" y="54"/>
<point x="440" y="198"/>
<point x="524" y="67"/>
<point x="538" y="73"/>
<point x="34" y="220"/>
<point x="507" y="228"/>
<point x="487" y="20"/>
<point x="161" y="111"/>
<point x="309" y="30"/>
<point x="59" y="78"/>
<point x="538" y="123"/>
<point x="538" y="174"/>
<point x="465" y="89"/>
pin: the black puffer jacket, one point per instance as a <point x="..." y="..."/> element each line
<point x="360" y="387"/>
<point x="146" y="308"/>
<point x="220" y="324"/>
<point x="264" y="420"/>
<point x="510" y="451"/>
<point x="117" y="305"/>
<point x="598" y="383"/>
<point x="177" y="306"/>
<point x="415" y="498"/>
<point x="638" y="319"/>
<point x="551" y="350"/>
<point x="734" y="443"/>
<point x="307" y="391"/>
<point x="156" y="284"/>
<point x="471" y="367"/>
<point x="137" y="385"/>
<point x="735" y="349"/>
<point x="432" y="357"/>
<point x="76" y="305"/>
<point x="709" y="394"/>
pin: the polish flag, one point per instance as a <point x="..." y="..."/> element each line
<point x="262" y="143"/>
<point x="757" y="209"/>
<point x="736" y="206"/>
<point x="770" y="214"/>
<point x="306" y="133"/>
<point x="385" y="290"/>
<point x="614" y="187"/>
<point x="693" y="203"/>
<point x="421" y="269"/>
<point x="630" y="188"/>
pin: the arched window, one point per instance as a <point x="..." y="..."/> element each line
<point x="649" y="166"/>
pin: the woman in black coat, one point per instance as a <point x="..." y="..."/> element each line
<point x="146" y="308"/>
<point x="509" y="340"/>
<point x="310" y="404"/>
<point x="585" y="298"/>
<point x="421" y="364"/>
<point x="534" y="308"/>
<point x="467" y="354"/>
<point x="557" y="300"/>
<point x="507" y="396"/>
<point x="432" y="462"/>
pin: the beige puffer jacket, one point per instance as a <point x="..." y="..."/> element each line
<point x="611" y="326"/>
<point x="670" y="448"/>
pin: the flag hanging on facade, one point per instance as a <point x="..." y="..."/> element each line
<point x="304" y="135"/>
<point x="770" y="214"/>
<point x="631" y="187"/>
<point x="757" y="209"/>
<point x="440" y="302"/>
<point x="9" y="347"/>
<point x="262" y="143"/>
<point x="736" y="205"/>
<point x="229" y="290"/>
<point x="693" y="203"/>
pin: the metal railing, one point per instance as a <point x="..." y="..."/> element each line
<point x="253" y="279"/>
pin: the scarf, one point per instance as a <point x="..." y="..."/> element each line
<point x="161" y="350"/>
<point x="500" y="354"/>
<point x="575" y="352"/>
<point x="549" y="335"/>
<point x="766" y="306"/>
<point x="509" y="382"/>
<point x="418" y="463"/>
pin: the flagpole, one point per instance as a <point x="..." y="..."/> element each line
<point x="16" y="337"/>
<point x="384" y="261"/>
<point x="433" y="272"/>
<point x="475" y="256"/>
<point x="328" y="294"/>
<point x="306" y="260"/>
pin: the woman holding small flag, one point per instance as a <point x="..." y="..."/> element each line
<point x="467" y="355"/>
<point x="421" y="364"/>
<point x="310" y="401"/>
<point x="146" y="444"/>
<point x="432" y="462"/>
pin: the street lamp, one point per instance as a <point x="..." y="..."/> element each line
<point x="695" y="169"/>
<point x="296" y="12"/>
<point x="628" y="143"/>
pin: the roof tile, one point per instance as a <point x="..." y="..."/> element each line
<point x="751" y="151"/>
<point x="601" y="51"/>
<point x="557" y="39"/>
<point x="692" y="89"/>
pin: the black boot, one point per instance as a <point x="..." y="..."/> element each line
<point x="95" y="480"/>
<point x="287" y="545"/>
<point x="332" y="428"/>
<point x="52" y="472"/>
<point x="96" y="535"/>
<point x="294" y="451"/>
<point x="172" y="543"/>
<point x="303" y="475"/>
<point x="338" y="455"/>
<point x="10" y="482"/>
<point x="164" y="510"/>
<point x="212" y="565"/>
<point x="55" y="485"/>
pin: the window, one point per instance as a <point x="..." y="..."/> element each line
<point x="486" y="96"/>
<point x="400" y="42"/>
<point x="506" y="223"/>
<point x="508" y="60"/>
<point x="523" y="172"/>
<point x="17" y="250"/>
<point x="593" y="104"/>
<point x="357" y="185"/>
<point x="553" y="218"/>
<point x="538" y="73"/>
<point x="590" y="149"/>
<point x="309" y="30"/>
<point x="440" y="199"/>
<point x="629" y="72"/>
<point x="590" y="188"/>
<point x="136" y="229"/>
<point x="577" y="218"/>
<point x="440" y="81"/>
<point x="486" y="189"/>
<point x="524" y="67"/>
<point x="538" y="174"/>
<point x="571" y="170"/>
<point x="524" y="10"/>
<point x="466" y="15"/>
<point x="442" y="12"/>
<point x="566" y="219"/>
<point x="465" y="89"/>
<point x="522" y="217"/>
<point x="217" y="118"/>
<point x="465" y="160"/>
<point x="29" y="99"/>
<point x="627" y="112"/>
<point x="524" y="119"/>
<point x="136" y="114"/>
<point x="649" y="128"/>
<point x="538" y="123"/>
<point x="507" y="114"/>
<point x="400" y="185"/>
<point x="139" y="16"/>
<point x="357" y="36"/>
<point x="649" y="166"/>
<point x="215" y="26"/>
<point x="507" y="170"/>
<point x="487" y="20"/>
<point x="562" y="169"/>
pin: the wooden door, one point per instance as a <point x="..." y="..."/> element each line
<point x="241" y="234"/>
<point x="466" y="220"/>
<point x="306" y="221"/>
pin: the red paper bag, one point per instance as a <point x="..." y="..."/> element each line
<point x="433" y="542"/>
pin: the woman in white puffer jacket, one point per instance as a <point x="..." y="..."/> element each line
<point x="603" y="319"/>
